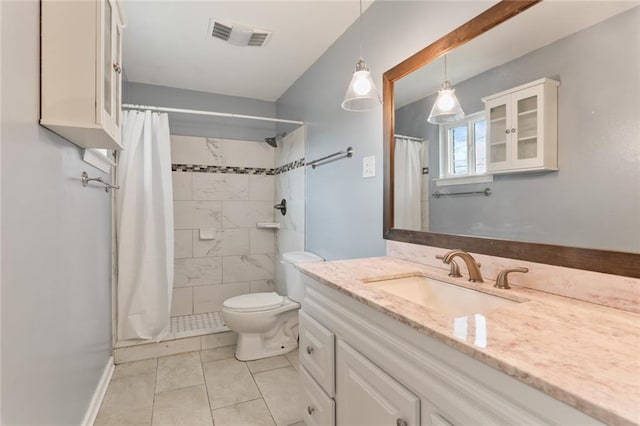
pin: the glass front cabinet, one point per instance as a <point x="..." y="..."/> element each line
<point x="522" y="128"/>
<point x="81" y="61"/>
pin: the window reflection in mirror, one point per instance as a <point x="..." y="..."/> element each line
<point x="462" y="147"/>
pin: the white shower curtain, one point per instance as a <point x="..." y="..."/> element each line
<point x="407" y="184"/>
<point x="144" y="227"/>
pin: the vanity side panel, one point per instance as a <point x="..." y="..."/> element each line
<point x="68" y="81"/>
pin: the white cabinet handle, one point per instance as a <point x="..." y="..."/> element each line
<point x="310" y="410"/>
<point x="401" y="422"/>
<point x="309" y="350"/>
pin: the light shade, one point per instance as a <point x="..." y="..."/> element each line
<point x="362" y="94"/>
<point x="446" y="108"/>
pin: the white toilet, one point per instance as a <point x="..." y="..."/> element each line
<point x="267" y="323"/>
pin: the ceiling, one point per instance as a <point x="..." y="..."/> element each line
<point x="516" y="37"/>
<point x="167" y="43"/>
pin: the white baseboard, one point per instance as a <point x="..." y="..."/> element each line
<point x="98" y="395"/>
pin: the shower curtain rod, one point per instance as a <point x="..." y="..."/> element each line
<point x="411" y="138"/>
<point x="209" y="113"/>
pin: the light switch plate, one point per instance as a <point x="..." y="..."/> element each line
<point x="369" y="166"/>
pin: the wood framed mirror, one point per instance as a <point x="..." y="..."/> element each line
<point x="625" y="263"/>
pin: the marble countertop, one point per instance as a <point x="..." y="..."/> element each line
<point x="583" y="354"/>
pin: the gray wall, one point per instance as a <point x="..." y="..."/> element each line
<point x="344" y="211"/>
<point x="593" y="200"/>
<point x="56" y="250"/>
<point x="191" y="125"/>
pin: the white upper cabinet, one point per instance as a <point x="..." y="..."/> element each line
<point x="81" y="81"/>
<point x="522" y="130"/>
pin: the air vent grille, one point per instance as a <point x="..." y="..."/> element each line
<point x="221" y="31"/>
<point x="238" y="34"/>
<point x="258" y="39"/>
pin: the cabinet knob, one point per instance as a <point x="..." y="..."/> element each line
<point x="401" y="422"/>
<point x="310" y="410"/>
<point x="513" y="130"/>
<point x="507" y="131"/>
<point x="117" y="68"/>
<point x="309" y="350"/>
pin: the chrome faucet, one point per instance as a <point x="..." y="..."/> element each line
<point x="472" y="266"/>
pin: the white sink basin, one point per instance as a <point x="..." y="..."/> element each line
<point x="446" y="298"/>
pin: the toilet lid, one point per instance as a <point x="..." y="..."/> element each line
<point x="254" y="302"/>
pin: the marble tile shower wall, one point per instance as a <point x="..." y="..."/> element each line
<point x="290" y="184"/>
<point x="226" y="200"/>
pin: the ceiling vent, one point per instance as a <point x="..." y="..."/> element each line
<point x="238" y="34"/>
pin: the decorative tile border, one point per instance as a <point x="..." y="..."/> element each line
<point x="290" y="166"/>
<point x="221" y="169"/>
<point x="238" y="170"/>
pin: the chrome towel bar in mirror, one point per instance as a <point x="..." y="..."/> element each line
<point x="437" y="194"/>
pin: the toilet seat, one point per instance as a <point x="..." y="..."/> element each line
<point x="254" y="302"/>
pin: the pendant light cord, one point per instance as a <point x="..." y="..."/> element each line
<point x="361" y="32"/>
<point x="445" y="67"/>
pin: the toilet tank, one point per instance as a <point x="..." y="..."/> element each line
<point x="293" y="277"/>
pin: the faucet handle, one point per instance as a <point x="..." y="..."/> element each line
<point x="455" y="269"/>
<point x="503" y="277"/>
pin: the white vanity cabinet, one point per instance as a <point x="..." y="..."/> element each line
<point x="387" y="373"/>
<point x="81" y="71"/>
<point x="522" y="128"/>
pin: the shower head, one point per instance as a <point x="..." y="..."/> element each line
<point x="271" y="141"/>
<point x="274" y="140"/>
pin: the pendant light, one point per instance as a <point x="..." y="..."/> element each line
<point x="446" y="108"/>
<point x="362" y="94"/>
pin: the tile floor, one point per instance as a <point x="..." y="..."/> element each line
<point x="207" y="387"/>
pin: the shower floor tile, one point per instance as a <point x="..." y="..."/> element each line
<point x="265" y="397"/>
<point x="185" y="333"/>
<point x="196" y="325"/>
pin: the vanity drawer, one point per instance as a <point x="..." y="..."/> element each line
<point x="317" y="352"/>
<point x="319" y="409"/>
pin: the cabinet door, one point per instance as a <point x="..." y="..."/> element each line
<point x="367" y="396"/>
<point x="319" y="409"/>
<point x="498" y="134"/>
<point x="526" y="128"/>
<point x="438" y="420"/>
<point x="117" y="67"/>
<point x="105" y="70"/>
